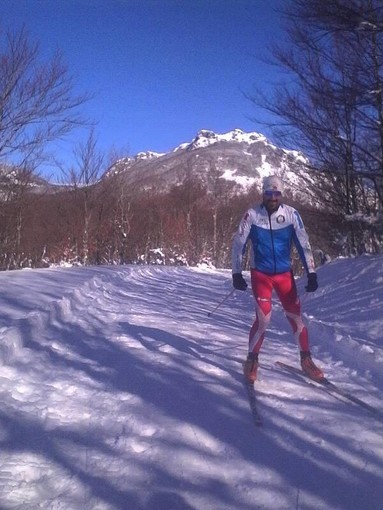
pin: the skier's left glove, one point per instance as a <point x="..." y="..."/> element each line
<point x="312" y="282"/>
<point x="239" y="282"/>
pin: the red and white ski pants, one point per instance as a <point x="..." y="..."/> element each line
<point x="284" y="285"/>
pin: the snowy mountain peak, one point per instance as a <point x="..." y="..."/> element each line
<point x="241" y="158"/>
<point x="205" y="137"/>
<point x="147" y="155"/>
<point x="127" y="162"/>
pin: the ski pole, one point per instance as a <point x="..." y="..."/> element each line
<point x="221" y="303"/>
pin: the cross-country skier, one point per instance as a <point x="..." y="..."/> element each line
<point x="271" y="228"/>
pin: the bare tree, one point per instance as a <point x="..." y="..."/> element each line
<point x="83" y="176"/>
<point x="37" y="102"/>
<point x="37" y="106"/>
<point x="331" y="104"/>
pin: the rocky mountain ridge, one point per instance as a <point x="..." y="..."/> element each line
<point x="237" y="159"/>
<point x="231" y="163"/>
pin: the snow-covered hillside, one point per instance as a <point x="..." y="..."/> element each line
<point x="238" y="158"/>
<point x="119" y="392"/>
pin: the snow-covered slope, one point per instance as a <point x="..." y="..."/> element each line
<point x="119" y="392"/>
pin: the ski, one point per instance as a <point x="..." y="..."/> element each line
<point x="257" y="419"/>
<point x="331" y="388"/>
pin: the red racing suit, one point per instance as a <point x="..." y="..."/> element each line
<point x="271" y="237"/>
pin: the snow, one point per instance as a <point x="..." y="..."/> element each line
<point x="205" y="137"/>
<point x="243" y="180"/>
<point x="148" y="155"/>
<point x="263" y="170"/>
<point x="119" y="392"/>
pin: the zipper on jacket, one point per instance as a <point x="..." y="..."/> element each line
<point x="272" y="243"/>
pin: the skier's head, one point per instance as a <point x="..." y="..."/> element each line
<point x="272" y="192"/>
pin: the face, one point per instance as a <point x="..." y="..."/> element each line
<point x="272" y="200"/>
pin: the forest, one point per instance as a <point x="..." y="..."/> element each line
<point x="331" y="110"/>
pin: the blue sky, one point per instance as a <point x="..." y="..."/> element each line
<point x="160" y="70"/>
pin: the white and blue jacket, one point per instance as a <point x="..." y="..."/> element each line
<point x="271" y="238"/>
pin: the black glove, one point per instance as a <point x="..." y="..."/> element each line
<point x="239" y="282"/>
<point x="312" y="282"/>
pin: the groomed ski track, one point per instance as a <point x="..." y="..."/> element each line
<point x="119" y="392"/>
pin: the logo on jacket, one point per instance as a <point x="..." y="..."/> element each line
<point x="281" y="219"/>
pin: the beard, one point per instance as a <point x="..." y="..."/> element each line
<point x="271" y="205"/>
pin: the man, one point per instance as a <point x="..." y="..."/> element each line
<point x="271" y="228"/>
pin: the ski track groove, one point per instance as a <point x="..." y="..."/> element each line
<point x="121" y="313"/>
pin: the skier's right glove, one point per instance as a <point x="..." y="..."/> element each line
<point x="239" y="282"/>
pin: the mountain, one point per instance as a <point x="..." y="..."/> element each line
<point x="11" y="177"/>
<point x="237" y="158"/>
<point x="234" y="162"/>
